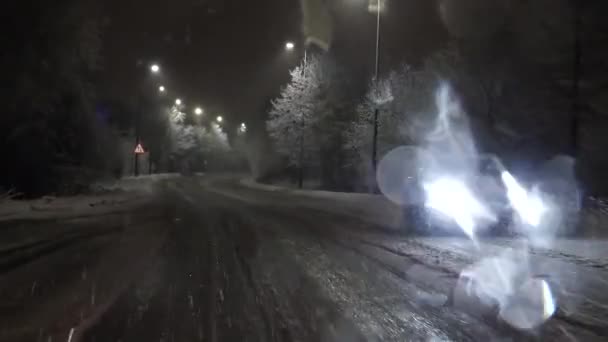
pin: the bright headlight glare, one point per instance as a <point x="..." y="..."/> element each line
<point x="452" y="198"/>
<point x="529" y="206"/>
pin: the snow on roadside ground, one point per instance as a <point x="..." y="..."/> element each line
<point x="374" y="209"/>
<point x="105" y="197"/>
<point x="133" y="184"/>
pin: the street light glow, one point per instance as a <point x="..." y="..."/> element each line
<point x="377" y="6"/>
<point x="220" y="119"/>
<point x="161" y="89"/>
<point x="243" y="128"/>
<point x="289" y="46"/>
<point x="154" y="68"/>
<point x="198" y="111"/>
<point x="178" y="102"/>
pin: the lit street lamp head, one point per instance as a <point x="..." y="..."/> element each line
<point x="377" y="6"/>
<point x="161" y="89"/>
<point x="220" y="119"/>
<point x="198" y="111"/>
<point x="178" y="102"/>
<point x="289" y="46"/>
<point x="154" y="68"/>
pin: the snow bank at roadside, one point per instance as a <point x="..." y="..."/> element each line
<point x="374" y="209"/>
<point x="593" y="220"/>
<point x="145" y="183"/>
<point x="250" y="183"/>
<point x="105" y="197"/>
<point x="343" y="196"/>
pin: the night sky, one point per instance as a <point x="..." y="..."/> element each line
<point x="228" y="55"/>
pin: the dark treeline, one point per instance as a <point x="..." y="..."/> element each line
<point x="60" y="125"/>
<point x="52" y="137"/>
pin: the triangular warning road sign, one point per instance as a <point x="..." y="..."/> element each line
<point x="139" y="149"/>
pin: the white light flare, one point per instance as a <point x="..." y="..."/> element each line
<point x="548" y="302"/>
<point x="529" y="206"/>
<point x="452" y="198"/>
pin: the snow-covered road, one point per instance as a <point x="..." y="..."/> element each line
<point x="217" y="260"/>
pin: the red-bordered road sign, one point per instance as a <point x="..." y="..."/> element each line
<point x="139" y="149"/>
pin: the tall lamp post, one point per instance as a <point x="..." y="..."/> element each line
<point x="289" y="47"/>
<point x="376" y="75"/>
<point x="154" y="69"/>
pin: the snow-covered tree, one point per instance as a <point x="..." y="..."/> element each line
<point x="192" y="144"/>
<point x="183" y="137"/>
<point x="213" y="140"/>
<point x="295" y="112"/>
<point x="403" y="100"/>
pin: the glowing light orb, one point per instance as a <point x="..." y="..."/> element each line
<point x="398" y="175"/>
<point x="530" y="305"/>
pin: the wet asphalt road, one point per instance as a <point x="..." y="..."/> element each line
<point x="222" y="262"/>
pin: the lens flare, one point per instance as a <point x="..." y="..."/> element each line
<point x="548" y="302"/>
<point x="530" y="306"/>
<point x="446" y="174"/>
<point x="528" y="205"/>
<point x="398" y="175"/>
<point x="452" y="198"/>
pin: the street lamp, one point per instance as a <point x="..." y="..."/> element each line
<point x="153" y="69"/>
<point x="198" y="111"/>
<point x="377" y="5"/>
<point x="289" y="47"/>
<point x="243" y="128"/>
<point x="178" y="102"/>
<point x="220" y="119"/>
<point x="378" y="9"/>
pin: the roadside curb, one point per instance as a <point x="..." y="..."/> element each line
<point x="251" y="183"/>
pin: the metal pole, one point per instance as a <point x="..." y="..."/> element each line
<point x="378" y="41"/>
<point x="301" y="170"/>
<point x="576" y="78"/>
<point x="137" y="134"/>
<point x="376" y="75"/>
